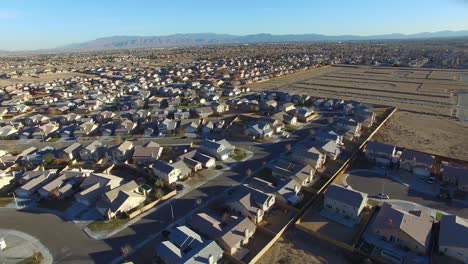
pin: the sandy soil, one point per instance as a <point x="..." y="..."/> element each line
<point x="295" y="247"/>
<point x="437" y="135"/>
<point x="42" y="78"/>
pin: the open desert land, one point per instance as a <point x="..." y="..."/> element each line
<point x="431" y="102"/>
<point x="40" y="78"/>
<point x="296" y="248"/>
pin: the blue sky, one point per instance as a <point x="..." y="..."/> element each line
<point x="34" y="24"/>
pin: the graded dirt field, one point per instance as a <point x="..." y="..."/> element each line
<point x="428" y="101"/>
<point x="297" y="248"/>
<point x="42" y="78"/>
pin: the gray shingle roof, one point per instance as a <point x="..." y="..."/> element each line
<point x="347" y="196"/>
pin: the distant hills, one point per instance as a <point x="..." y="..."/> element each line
<point x="130" y="42"/>
<point x="197" y="39"/>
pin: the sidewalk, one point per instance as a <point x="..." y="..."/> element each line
<point x="21" y="246"/>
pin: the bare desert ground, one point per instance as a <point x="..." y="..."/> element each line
<point x="432" y="134"/>
<point x="297" y="248"/>
<point x="428" y="101"/>
<point x="42" y="78"/>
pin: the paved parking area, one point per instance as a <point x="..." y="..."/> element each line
<point x="372" y="183"/>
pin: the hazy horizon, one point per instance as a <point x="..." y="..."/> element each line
<point x="30" y="25"/>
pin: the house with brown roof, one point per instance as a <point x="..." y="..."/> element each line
<point x="121" y="199"/>
<point x="416" y="162"/>
<point x="232" y="235"/>
<point x="408" y="230"/>
<point x="250" y="202"/>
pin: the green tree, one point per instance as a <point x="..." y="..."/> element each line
<point x="48" y="158"/>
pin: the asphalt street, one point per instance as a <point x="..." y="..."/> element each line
<point x="373" y="183"/>
<point x="68" y="244"/>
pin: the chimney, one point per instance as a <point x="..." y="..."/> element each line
<point x="170" y="162"/>
<point x="185" y="150"/>
<point x="211" y="259"/>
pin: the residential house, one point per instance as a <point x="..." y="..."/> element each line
<point x="88" y="128"/>
<point x="93" y="152"/>
<point x="416" y="162"/>
<point x="350" y="128"/>
<point x="343" y="202"/>
<point x="232" y="235"/>
<point x="452" y="237"/>
<point x="259" y="129"/>
<point x="6" y="178"/>
<point x="39" y="179"/>
<point x="329" y="135"/>
<point x="122" y="152"/>
<point x="285" y="118"/>
<point x="269" y="105"/>
<point x="203" y="112"/>
<point x="71" y="152"/>
<point x="305" y="114"/>
<point x="287" y="107"/>
<point x="167" y="126"/>
<point x="8" y="132"/>
<point x="36" y="119"/>
<point x="456" y="175"/>
<point x="283" y="169"/>
<point x="220" y="149"/>
<point x="305" y="154"/>
<point x="146" y="155"/>
<point x="185" y="246"/>
<point x="380" y="152"/>
<point x="95" y="185"/>
<point x="185" y="170"/>
<point x="121" y="199"/>
<point x="408" y="230"/>
<point x="165" y="172"/>
<point x="250" y="202"/>
<point x="65" y="184"/>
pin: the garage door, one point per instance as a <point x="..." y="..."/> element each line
<point x="421" y="172"/>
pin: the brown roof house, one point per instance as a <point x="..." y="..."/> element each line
<point x="408" y="230"/>
<point x="121" y="199"/>
<point x="250" y="202"/>
<point x="416" y="162"/>
<point x="232" y="235"/>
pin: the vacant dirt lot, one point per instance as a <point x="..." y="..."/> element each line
<point x="42" y="78"/>
<point x="427" y="100"/>
<point x="437" y="135"/>
<point x="297" y="248"/>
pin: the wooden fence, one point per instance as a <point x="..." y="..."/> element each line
<point x="147" y="207"/>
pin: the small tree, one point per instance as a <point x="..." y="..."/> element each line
<point x="158" y="193"/>
<point x="48" y="158"/>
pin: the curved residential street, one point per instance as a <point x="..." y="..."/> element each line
<point x="68" y="244"/>
<point x="372" y="183"/>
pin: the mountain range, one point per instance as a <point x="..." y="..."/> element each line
<point x="131" y="42"/>
<point x="197" y="39"/>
